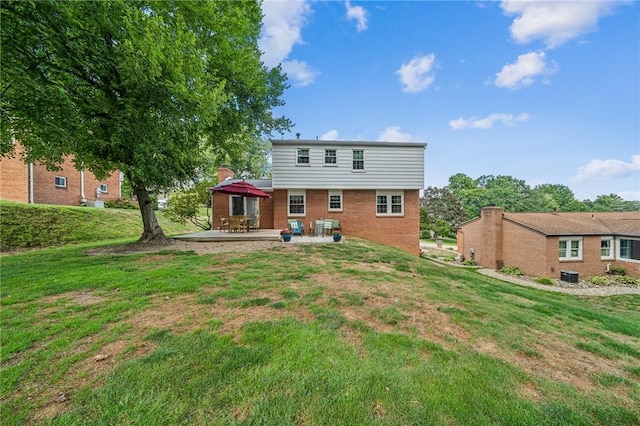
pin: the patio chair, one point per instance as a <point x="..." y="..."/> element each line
<point x="235" y="224"/>
<point x="296" y="226"/>
<point x="328" y="226"/>
<point x="224" y="223"/>
<point x="336" y="226"/>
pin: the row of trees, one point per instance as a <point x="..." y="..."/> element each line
<point x="155" y="89"/>
<point x="442" y="209"/>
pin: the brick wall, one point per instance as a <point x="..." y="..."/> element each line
<point x="485" y="237"/>
<point x="525" y="249"/>
<point x="14" y="178"/>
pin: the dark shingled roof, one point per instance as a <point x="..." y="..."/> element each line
<point x="582" y="223"/>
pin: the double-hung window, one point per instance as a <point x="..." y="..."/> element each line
<point x="606" y="248"/>
<point x="296" y="203"/>
<point x="330" y="157"/>
<point x="104" y="188"/>
<point x="302" y="157"/>
<point x="389" y="203"/>
<point x="358" y="160"/>
<point x="335" y="201"/>
<point x="570" y="248"/>
<point x="60" y="182"/>
<point x="629" y="249"/>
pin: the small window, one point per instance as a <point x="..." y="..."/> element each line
<point x="297" y="204"/>
<point x="104" y="188"/>
<point x="303" y="156"/>
<point x="389" y="204"/>
<point x="358" y="159"/>
<point x="335" y="201"/>
<point x="330" y="156"/>
<point x="60" y="182"/>
<point x="570" y="248"/>
<point x="606" y="246"/>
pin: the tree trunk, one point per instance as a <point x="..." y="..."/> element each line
<point x="152" y="232"/>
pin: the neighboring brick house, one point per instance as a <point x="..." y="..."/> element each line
<point x="33" y="183"/>
<point x="372" y="188"/>
<point x="544" y="244"/>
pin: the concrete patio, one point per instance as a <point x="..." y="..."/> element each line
<point x="253" y="235"/>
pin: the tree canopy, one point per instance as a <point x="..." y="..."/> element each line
<point x="147" y="88"/>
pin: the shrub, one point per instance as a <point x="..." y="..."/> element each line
<point x="511" y="270"/>
<point x="121" y="203"/>
<point x="598" y="280"/>
<point x="470" y="262"/>
<point x="618" y="270"/>
<point x="626" y="279"/>
<point x="544" y="280"/>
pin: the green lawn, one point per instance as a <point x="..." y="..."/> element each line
<point x="349" y="334"/>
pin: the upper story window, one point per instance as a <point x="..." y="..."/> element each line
<point x="60" y="182"/>
<point x="629" y="249"/>
<point x="606" y="248"/>
<point x="358" y="159"/>
<point x="104" y="188"/>
<point x="570" y="248"/>
<point x="330" y="157"/>
<point x="302" y="157"/>
<point x="335" y="201"/>
<point x="389" y="203"/>
<point x="296" y="201"/>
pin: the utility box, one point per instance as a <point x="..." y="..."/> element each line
<point x="569" y="276"/>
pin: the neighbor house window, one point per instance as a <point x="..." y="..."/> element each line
<point x="335" y="201"/>
<point x="358" y="159"/>
<point x="297" y="203"/>
<point x="104" y="188"/>
<point x="389" y="203"/>
<point x="570" y="248"/>
<point x="302" y="156"/>
<point x="330" y="156"/>
<point x="606" y="248"/>
<point x="60" y="182"/>
<point x="629" y="249"/>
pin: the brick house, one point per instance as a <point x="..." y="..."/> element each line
<point x="372" y="188"/>
<point x="33" y="183"/>
<point x="544" y="244"/>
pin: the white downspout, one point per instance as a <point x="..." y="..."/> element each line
<point x="83" y="199"/>
<point x="31" y="201"/>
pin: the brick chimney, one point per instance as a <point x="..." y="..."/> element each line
<point x="224" y="173"/>
<point x="491" y="218"/>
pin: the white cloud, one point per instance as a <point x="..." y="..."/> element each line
<point x="416" y="75"/>
<point x="393" y="134"/>
<point x="281" y="30"/>
<point x="357" y="13"/>
<point x="524" y="71"/>
<point x="630" y="195"/>
<point x="555" y="22"/>
<point x="331" y="135"/>
<point x="607" y="169"/>
<point x="301" y="72"/>
<point x="487" y="122"/>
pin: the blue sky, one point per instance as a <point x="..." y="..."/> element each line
<point x="547" y="92"/>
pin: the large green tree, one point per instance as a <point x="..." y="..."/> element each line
<point x="144" y="87"/>
<point x="444" y="210"/>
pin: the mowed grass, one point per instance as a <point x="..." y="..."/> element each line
<point x="335" y="334"/>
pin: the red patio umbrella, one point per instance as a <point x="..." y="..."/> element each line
<point x="242" y="188"/>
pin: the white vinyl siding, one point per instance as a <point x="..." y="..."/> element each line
<point x="389" y="166"/>
<point x="570" y="248"/>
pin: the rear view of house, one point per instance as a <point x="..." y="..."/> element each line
<point x="371" y="188"/>
<point x="544" y="244"/>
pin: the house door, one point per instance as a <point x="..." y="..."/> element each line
<point x="237" y="205"/>
<point x="253" y="211"/>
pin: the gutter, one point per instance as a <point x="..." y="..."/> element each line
<point x="31" y="201"/>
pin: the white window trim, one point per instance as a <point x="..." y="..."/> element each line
<point x="104" y="188"/>
<point x="619" y="246"/>
<point x="364" y="164"/>
<point x="389" y="195"/>
<point x="304" y="198"/>
<point x="334" y="193"/>
<point x="569" y="239"/>
<point x="298" y="157"/>
<point x="324" y="159"/>
<point x="612" y="249"/>
<point x="63" y="179"/>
